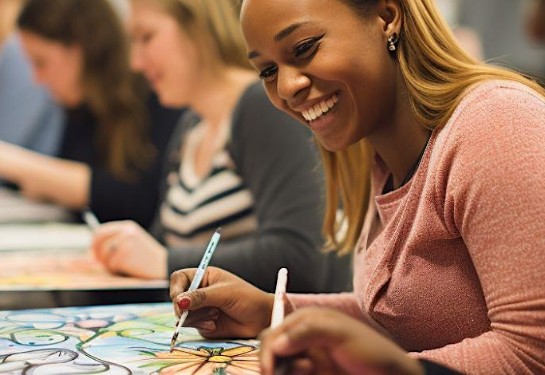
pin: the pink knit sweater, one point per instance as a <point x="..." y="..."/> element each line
<point x="457" y="274"/>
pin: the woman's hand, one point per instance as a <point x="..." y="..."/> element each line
<point x="323" y="341"/>
<point x="124" y="247"/>
<point x="223" y="306"/>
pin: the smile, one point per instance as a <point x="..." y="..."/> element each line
<point x="320" y="109"/>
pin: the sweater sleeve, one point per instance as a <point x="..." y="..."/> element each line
<point x="345" y="302"/>
<point x="114" y="199"/>
<point x="278" y="163"/>
<point x="493" y="179"/>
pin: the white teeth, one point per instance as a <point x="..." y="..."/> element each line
<point x="312" y="113"/>
<point x="321" y="108"/>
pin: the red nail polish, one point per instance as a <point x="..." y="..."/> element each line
<point x="184" y="303"/>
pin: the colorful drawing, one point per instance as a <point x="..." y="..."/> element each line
<point x="117" y="339"/>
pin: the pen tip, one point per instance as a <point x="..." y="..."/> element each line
<point x="218" y="230"/>
<point x="173" y="341"/>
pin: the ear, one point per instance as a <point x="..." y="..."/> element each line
<point x="391" y="14"/>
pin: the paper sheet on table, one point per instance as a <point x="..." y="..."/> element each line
<point x="44" y="236"/>
<point x="47" y="270"/>
<point x="14" y="208"/>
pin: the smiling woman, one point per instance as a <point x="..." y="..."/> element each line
<point x="436" y="158"/>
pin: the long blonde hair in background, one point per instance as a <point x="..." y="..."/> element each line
<point x="214" y="25"/>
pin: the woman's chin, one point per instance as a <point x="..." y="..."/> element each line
<point x="169" y="100"/>
<point x="68" y="101"/>
<point x="332" y="144"/>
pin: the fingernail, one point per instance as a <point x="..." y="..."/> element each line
<point x="184" y="303"/>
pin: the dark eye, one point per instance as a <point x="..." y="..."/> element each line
<point x="268" y="73"/>
<point x="141" y="38"/>
<point x="307" y="47"/>
<point x="146" y="37"/>
<point x="38" y="63"/>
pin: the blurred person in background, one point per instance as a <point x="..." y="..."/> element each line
<point x="535" y="28"/>
<point x="502" y="26"/>
<point x="113" y="141"/>
<point x="235" y="162"/>
<point x="28" y="115"/>
<point x="535" y="21"/>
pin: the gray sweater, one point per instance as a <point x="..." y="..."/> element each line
<point x="278" y="162"/>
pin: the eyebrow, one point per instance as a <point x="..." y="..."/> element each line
<point x="278" y="37"/>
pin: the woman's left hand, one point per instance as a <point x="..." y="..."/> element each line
<point x="323" y="341"/>
<point x="124" y="247"/>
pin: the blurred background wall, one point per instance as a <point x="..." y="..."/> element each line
<point x="501" y="27"/>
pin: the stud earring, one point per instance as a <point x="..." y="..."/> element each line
<point x="392" y="42"/>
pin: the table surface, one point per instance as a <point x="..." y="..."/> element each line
<point x="45" y="263"/>
<point x="14" y="208"/>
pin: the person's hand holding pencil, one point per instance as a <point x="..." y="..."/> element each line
<point x="315" y="339"/>
<point x="318" y="341"/>
<point x="224" y="306"/>
<point x="125" y="248"/>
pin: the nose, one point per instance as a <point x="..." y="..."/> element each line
<point x="291" y="83"/>
<point x="136" y="59"/>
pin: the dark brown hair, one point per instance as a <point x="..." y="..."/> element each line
<point x="112" y="91"/>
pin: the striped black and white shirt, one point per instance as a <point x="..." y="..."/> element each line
<point x="196" y="205"/>
<point x="264" y="189"/>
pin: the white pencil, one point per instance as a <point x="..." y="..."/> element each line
<point x="90" y="219"/>
<point x="277" y="315"/>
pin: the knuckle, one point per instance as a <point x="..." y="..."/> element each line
<point x="198" y="297"/>
<point x="132" y="228"/>
<point x="174" y="277"/>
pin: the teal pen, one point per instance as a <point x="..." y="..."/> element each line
<point x="197" y="280"/>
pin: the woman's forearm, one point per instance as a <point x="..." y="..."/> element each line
<point x="46" y="178"/>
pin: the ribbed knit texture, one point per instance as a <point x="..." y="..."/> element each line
<point x="456" y="275"/>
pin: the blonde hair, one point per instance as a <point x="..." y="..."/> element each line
<point x="214" y="24"/>
<point x="437" y="72"/>
<point x="8" y="15"/>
